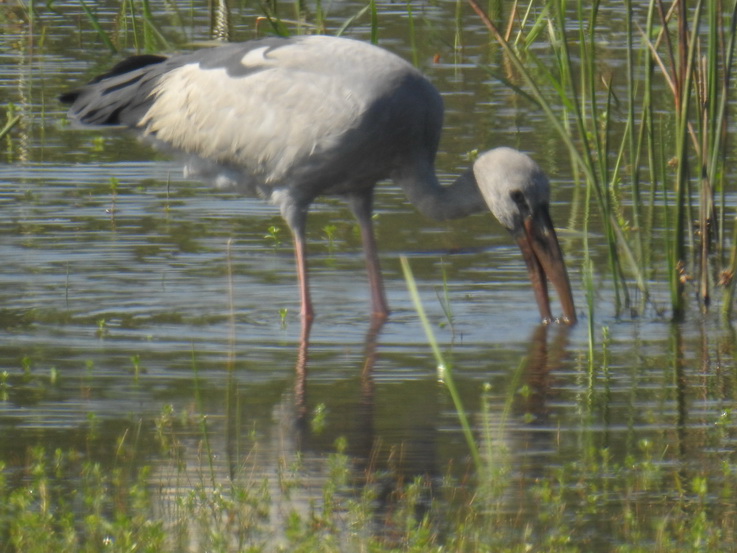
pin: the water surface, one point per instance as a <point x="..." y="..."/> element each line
<point x="115" y="299"/>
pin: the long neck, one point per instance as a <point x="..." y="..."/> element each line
<point x="424" y="191"/>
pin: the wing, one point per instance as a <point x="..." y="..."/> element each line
<point x="269" y="107"/>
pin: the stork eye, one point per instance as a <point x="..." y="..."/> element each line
<point x="518" y="198"/>
<point x="520" y="201"/>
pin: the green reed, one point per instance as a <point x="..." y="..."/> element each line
<point x="95" y="23"/>
<point x="12" y="120"/>
<point x="445" y="371"/>
<point x="654" y="166"/>
<point x="135" y="21"/>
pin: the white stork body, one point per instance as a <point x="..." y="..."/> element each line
<point x="292" y="119"/>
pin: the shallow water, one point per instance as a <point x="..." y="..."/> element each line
<point x="115" y="298"/>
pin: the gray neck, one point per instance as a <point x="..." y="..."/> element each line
<point x="439" y="202"/>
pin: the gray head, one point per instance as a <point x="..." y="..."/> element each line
<point x="518" y="194"/>
<point x="512" y="184"/>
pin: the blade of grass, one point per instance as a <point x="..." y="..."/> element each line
<point x="100" y="31"/>
<point x="445" y="372"/>
<point x="128" y="12"/>
<point x="631" y="135"/>
<point x="348" y="23"/>
<point x="152" y="34"/>
<point x="412" y="38"/>
<point x="687" y="49"/>
<point x="720" y="126"/>
<point x="9" y="126"/>
<point x="374" y="22"/>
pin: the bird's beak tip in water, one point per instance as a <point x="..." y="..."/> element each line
<point x="544" y="259"/>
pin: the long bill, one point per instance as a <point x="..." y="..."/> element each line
<point x="544" y="259"/>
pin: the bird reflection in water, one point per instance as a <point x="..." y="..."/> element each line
<point x="538" y="370"/>
<point x="525" y="442"/>
<point x="527" y="435"/>
<point x="387" y="450"/>
<point x="364" y="412"/>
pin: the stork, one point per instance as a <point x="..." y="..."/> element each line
<point x="291" y="119"/>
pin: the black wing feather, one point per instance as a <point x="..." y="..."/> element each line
<point x="118" y="97"/>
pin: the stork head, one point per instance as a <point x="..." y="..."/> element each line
<point x="518" y="194"/>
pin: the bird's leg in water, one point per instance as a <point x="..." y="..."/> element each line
<point x="296" y="217"/>
<point x="361" y="205"/>
<point x="300" y="254"/>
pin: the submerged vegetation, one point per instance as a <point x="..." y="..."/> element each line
<point x="652" y="173"/>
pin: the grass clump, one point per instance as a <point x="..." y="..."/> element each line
<point x="59" y="502"/>
<point x="62" y="501"/>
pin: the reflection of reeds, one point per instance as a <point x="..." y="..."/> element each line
<point x="616" y="154"/>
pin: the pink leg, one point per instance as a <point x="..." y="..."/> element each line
<point x="362" y="207"/>
<point x="300" y="255"/>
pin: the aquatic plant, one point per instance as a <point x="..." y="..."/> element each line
<point x="651" y="169"/>
<point x="188" y="500"/>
